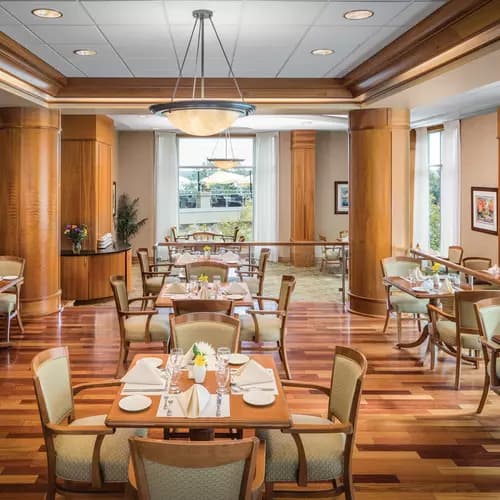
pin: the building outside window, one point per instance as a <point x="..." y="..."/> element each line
<point x="434" y="150"/>
<point x="212" y="199"/>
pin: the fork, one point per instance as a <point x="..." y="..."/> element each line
<point x="251" y="388"/>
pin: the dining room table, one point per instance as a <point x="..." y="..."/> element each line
<point x="243" y="299"/>
<point x="417" y="290"/>
<point x="7" y="284"/>
<point x="241" y="415"/>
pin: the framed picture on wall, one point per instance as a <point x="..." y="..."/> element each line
<point x="341" y="197"/>
<point x="113" y="199"/>
<point x="484" y="210"/>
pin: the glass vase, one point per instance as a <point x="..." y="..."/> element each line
<point x="76" y="247"/>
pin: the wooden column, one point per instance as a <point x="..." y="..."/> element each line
<point x="29" y="202"/>
<point x="498" y="179"/>
<point x="303" y="146"/>
<point x="379" y="211"/>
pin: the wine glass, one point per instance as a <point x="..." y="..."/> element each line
<point x="174" y="367"/>
<point x="222" y="375"/>
<point x="216" y="281"/>
<point x="223" y="354"/>
<point x="193" y="284"/>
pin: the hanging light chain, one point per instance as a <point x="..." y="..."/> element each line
<point x="184" y="60"/>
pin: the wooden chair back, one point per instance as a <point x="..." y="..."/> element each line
<point x="455" y="254"/>
<point x="208" y="268"/>
<point x="465" y="314"/>
<point x="477" y="263"/>
<point x="120" y="293"/>
<point x="219" y="330"/>
<point x="11" y="265"/>
<point x="143" y="257"/>
<point x="286" y="289"/>
<point x="225" y="469"/>
<point x="186" y="306"/>
<point x="205" y="235"/>
<point x="399" y="266"/>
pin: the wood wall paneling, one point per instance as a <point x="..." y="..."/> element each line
<point x="29" y="202"/>
<point x="303" y="186"/>
<point x="373" y="139"/>
<point x="498" y="179"/>
<point x="75" y="277"/>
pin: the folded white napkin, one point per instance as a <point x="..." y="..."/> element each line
<point x="235" y="288"/>
<point x="494" y="270"/>
<point x="176" y="288"/>
<point x="194" y="400"/>
<point x="188" y="357"/>
<point x="184" y="259"/>
<point x="204" y="347"/>
<point x="228" y="256"/>
<point x="252" y="373"/>
<point x="143" y="373"/>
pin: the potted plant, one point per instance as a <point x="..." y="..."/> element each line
<point x="76" y="233"/>
<point x="127" y="219"/>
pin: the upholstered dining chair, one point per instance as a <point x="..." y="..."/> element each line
<point x="455" y="254"/>
<point x="269" y="325"/>
<point x="209" y="269"/>
<point x="186" y="306"/>
<point x="400" y="303"/>
<point x="488" y="319"/>
<point x="477" y="263"/>
<point x="219" y="330"/>
<point x="83" y="453"/>
<point x="144" y="325"/>
<point x="454" y="334"/>
<point x="224" y="470"/>
<point x="254" y="275"/>
<point x="330" y="255"/>
<point x="316" y="449"/>
<point x="152" y="281"/>
<point x="10" y="300"/>
<point x="206" y="235"/>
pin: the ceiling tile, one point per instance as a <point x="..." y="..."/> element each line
<point x="73" y="13"/>
<point x="104" y="63"/>
<point x="126" y="12"/>
<point x="68" y="34"/>
<point x="6" y="18"/>
<point x="181" y="12"/>
<point x="55" y="60"/>
<point x="152" y="67"/>
<point x="415" y="12"/>
<point x="21" y="35"/>
<point x="269" y="36"/>
<point x="383" y="13"/>
<point x="280" y="13"/>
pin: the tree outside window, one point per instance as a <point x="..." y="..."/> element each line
<point x="435" y="165"/>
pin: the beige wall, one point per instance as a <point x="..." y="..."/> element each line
<point x="136" y="177"/>
<point x="331" y="166"/>
<point x="479" y="167"/>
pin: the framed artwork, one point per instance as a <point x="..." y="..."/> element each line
<point x="113" y="199"/>
<point x="341" y="197"/>
<point x="484" y="209"/>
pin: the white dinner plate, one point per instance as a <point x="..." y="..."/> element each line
<point x="10" y="278"/>
<point x="238" y="359"/>
<point x="136" y="402"/>
<point x="420" y="289"/>
<point x="232" y="261"/>
<point x="259" y="398"/>
<point x="235" y="296"/>
<point x="156" y="362"/>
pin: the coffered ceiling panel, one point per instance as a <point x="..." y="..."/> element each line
<point x="271" y="38"/>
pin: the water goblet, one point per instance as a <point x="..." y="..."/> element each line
<point x="223" y="354"/>
<point x="222" y="375"/>
<point x="174" y="367"/>
<point x="216" y="281"/>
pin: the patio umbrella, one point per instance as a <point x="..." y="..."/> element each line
<point x="184" y="181"/>
<point x="224" y="177"/>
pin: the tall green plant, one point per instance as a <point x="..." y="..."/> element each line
<point x="127" y="219"/>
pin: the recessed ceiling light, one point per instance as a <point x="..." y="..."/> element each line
<point x="356" y="15"/>
<point x="85" y="52"/>
<point x="47" y="13"/>
<point x="322" y="52"/>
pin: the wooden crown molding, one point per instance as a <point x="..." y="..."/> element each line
<point x="36" y="75"/>
<point x="451" y="32"/>
<point x="455" y="30"/>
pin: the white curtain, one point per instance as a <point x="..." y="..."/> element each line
<point x="266" y="190"/>
<point x="421" y="191"/>
<point x="166" y="181"/>
<point x="450" y="186"/>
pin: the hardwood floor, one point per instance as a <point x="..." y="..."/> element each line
<point x="418" y="439"/>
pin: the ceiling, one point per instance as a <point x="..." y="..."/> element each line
<point x="263" y="38"/>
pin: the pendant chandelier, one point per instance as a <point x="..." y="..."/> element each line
<point x="227" y="162"/>
<point x="200" y="116"/>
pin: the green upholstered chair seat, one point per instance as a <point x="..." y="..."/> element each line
<point x="448" y="334"/>
<point x="253" y="284"/>
<point x="135" y="327"/>
<point x="405" y="303"/>
<point x="497" y="368"/>
<point x="74" y="453"/>
<point x="269" y="328"/>
<point x="324" y="452"/>
<point x="7" y="302"/>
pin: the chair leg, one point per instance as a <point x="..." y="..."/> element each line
<point x="387" y="317"/>
<point x="8" y="329"/>
<point x="348" y="487"/>
<point x="433" y="350"/>
<point x="126" y="348"/>
<point x="268" y="494"/>
<point x="19" y="322"/>
<point x="398" y="319"/>
<point x="284" y="358"/>
<point x="121" y="360"/>
<point x="419" y="323"/>
<point x="458" y="367"/>
<point x="486" y="388"/>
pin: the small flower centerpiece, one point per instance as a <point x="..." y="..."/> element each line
<point x="206" y="251"/>
<point x="435" y="276"/>
<point x="76" y="233"/>
<point x="199" y="368"/>
<point x="203" y="279"/>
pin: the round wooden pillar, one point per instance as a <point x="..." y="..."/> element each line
<point x="379" y="206"/>
<point x="29" y="202"/>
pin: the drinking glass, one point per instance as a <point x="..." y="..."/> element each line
<point x="223" y="354"/>
<point x="216" y="281"/>
<point x="174" y="367"/>
<point x="222" y="375"/>
<point x="193" y="284"/>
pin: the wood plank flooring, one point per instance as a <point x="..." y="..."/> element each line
<point x="418" y="439"/>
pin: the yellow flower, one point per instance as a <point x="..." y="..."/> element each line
<point x="436" y="267"/>
<point x="203" y="278"/>
<point x="199" y="360"/>
<point x="206" y="248"/>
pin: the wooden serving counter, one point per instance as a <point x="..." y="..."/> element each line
<point x="86" y="276"/>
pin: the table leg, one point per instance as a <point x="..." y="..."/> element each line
<point x="207" y="434"/>
<point x="419" y="341"/>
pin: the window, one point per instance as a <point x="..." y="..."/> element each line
<point x="212" y="199"/>
<point x="435" y="164"/>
